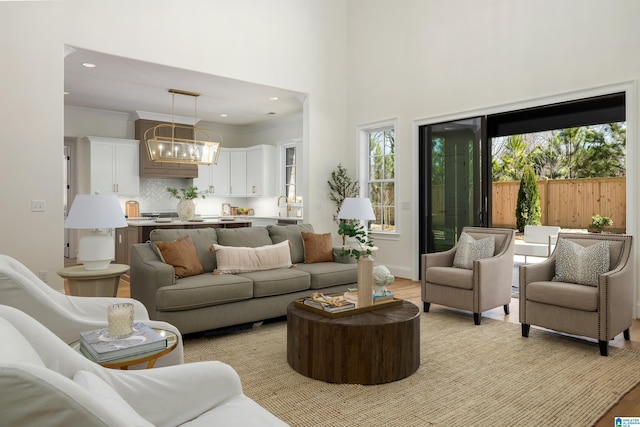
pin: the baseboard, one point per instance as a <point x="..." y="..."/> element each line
<point x="401" y="272"/>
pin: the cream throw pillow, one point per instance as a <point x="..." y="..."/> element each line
<point x="579" y="264"/>
<point x="470" y="249"/>
<point x="232" y="259"/>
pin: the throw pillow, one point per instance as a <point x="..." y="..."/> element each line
<point x="101" y="390"/>
<point x="232" y="259"/>
<point x="182" y="255"/>
<point x="470" y="249"/>
<point x="292" y="233"/>
<point x="317" y="247"/>
<point x="579" y="264"/>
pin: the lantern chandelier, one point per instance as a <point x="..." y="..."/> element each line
<point x="164" y="146"/>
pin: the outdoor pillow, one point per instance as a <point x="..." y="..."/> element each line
<point x="470" y="249"/>
<point x="182" y="255"/>
<point x="233" y="259"/>
<point x="317" y="247"/>
<point x="579" y="264"/>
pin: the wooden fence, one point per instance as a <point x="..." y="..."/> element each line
<point x="568" y="203"/>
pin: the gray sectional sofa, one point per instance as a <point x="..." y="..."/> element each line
<point x="209" y="301"/>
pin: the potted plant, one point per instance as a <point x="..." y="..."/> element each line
<point x="598" y="223"/>
<point x="342" y="186"/>
<point x="186" y="206"/>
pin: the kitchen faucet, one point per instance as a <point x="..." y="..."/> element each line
<point x="288" y="206"/>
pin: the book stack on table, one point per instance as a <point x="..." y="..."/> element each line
<point x="331" y="304"/>
<point x="352" y="296"/>
<point x="100" y="347"/>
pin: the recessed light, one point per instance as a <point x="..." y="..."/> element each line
<point x="224" y="115"/>
<point x="273" y="98"/>
<point x="88" y="65"/>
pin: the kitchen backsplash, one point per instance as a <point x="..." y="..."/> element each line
<point x="154" y="198"/>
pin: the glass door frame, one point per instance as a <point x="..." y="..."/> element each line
<point x="482" y="198"/>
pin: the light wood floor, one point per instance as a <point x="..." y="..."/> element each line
<point x="409" y="290"/>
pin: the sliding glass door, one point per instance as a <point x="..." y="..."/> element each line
<point x="455" y="181"/>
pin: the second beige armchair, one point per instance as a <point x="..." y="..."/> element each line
<point x="585" y="288"/>
<point x="480" y="285"/>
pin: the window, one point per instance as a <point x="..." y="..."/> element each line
<point x="290" y="159"/>
<point x="381" y="179"/>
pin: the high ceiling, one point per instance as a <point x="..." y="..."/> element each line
<point x="126" y="85"/>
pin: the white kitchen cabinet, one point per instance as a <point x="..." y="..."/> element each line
<point x="214" y="178"/>
<point x="238" y="173"/>
<point x="261" y="171"/>
<point x="114" y="166"/>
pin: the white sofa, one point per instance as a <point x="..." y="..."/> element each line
<point x="45" y="382"/>
<point x="539" y="241"/>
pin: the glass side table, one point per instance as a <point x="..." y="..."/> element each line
<point x="151" y="356"/>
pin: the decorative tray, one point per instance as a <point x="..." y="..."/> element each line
<point x="357" y="310"/>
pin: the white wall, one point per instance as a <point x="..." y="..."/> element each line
<point x="418" y="60"/>
<point x="411" y="60"/>
<point x="293" y="44"/>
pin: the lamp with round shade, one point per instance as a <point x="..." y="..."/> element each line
<point x="98" y="213"/>
<point x="359" y="208"/>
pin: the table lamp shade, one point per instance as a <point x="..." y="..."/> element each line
<point x="98" y="213"/>
<point x="90" y="211"/>
<point x="356" y="208"/>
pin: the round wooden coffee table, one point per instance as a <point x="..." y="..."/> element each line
<point x="374" y="347"/>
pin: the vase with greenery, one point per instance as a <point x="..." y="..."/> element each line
<point x="358" y="232"/>
<point x="598" y="223"/>
<point x="341" y="186"/>
<point x="186" y="206"/>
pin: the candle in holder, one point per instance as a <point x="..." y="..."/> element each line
<point x="120" y="318"/>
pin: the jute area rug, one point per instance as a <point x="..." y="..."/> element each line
<point x="485" y="375"/>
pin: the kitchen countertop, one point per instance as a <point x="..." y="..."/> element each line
<point x="144" y="221"/>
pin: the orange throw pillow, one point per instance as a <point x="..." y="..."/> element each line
<point x="317" y="247"/>
<point x="182" y="255"/>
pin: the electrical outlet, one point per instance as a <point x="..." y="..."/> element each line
<point x="37" y="206"/>
<point x="43" y="275"/>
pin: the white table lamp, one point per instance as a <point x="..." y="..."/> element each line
<point x="98" y="213"/>
<point x="359" y="208"/>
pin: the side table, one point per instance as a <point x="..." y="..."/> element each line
<point x="150" y="356"/>
<point x="93" y="283"/>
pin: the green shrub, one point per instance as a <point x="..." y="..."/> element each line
<point x="528" y="207"/>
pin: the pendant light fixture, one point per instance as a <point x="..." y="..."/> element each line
<point x="200" y="146"/>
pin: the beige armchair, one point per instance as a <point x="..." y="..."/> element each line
<point x="483" y="287"/>
<point x="601" y="310"/>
